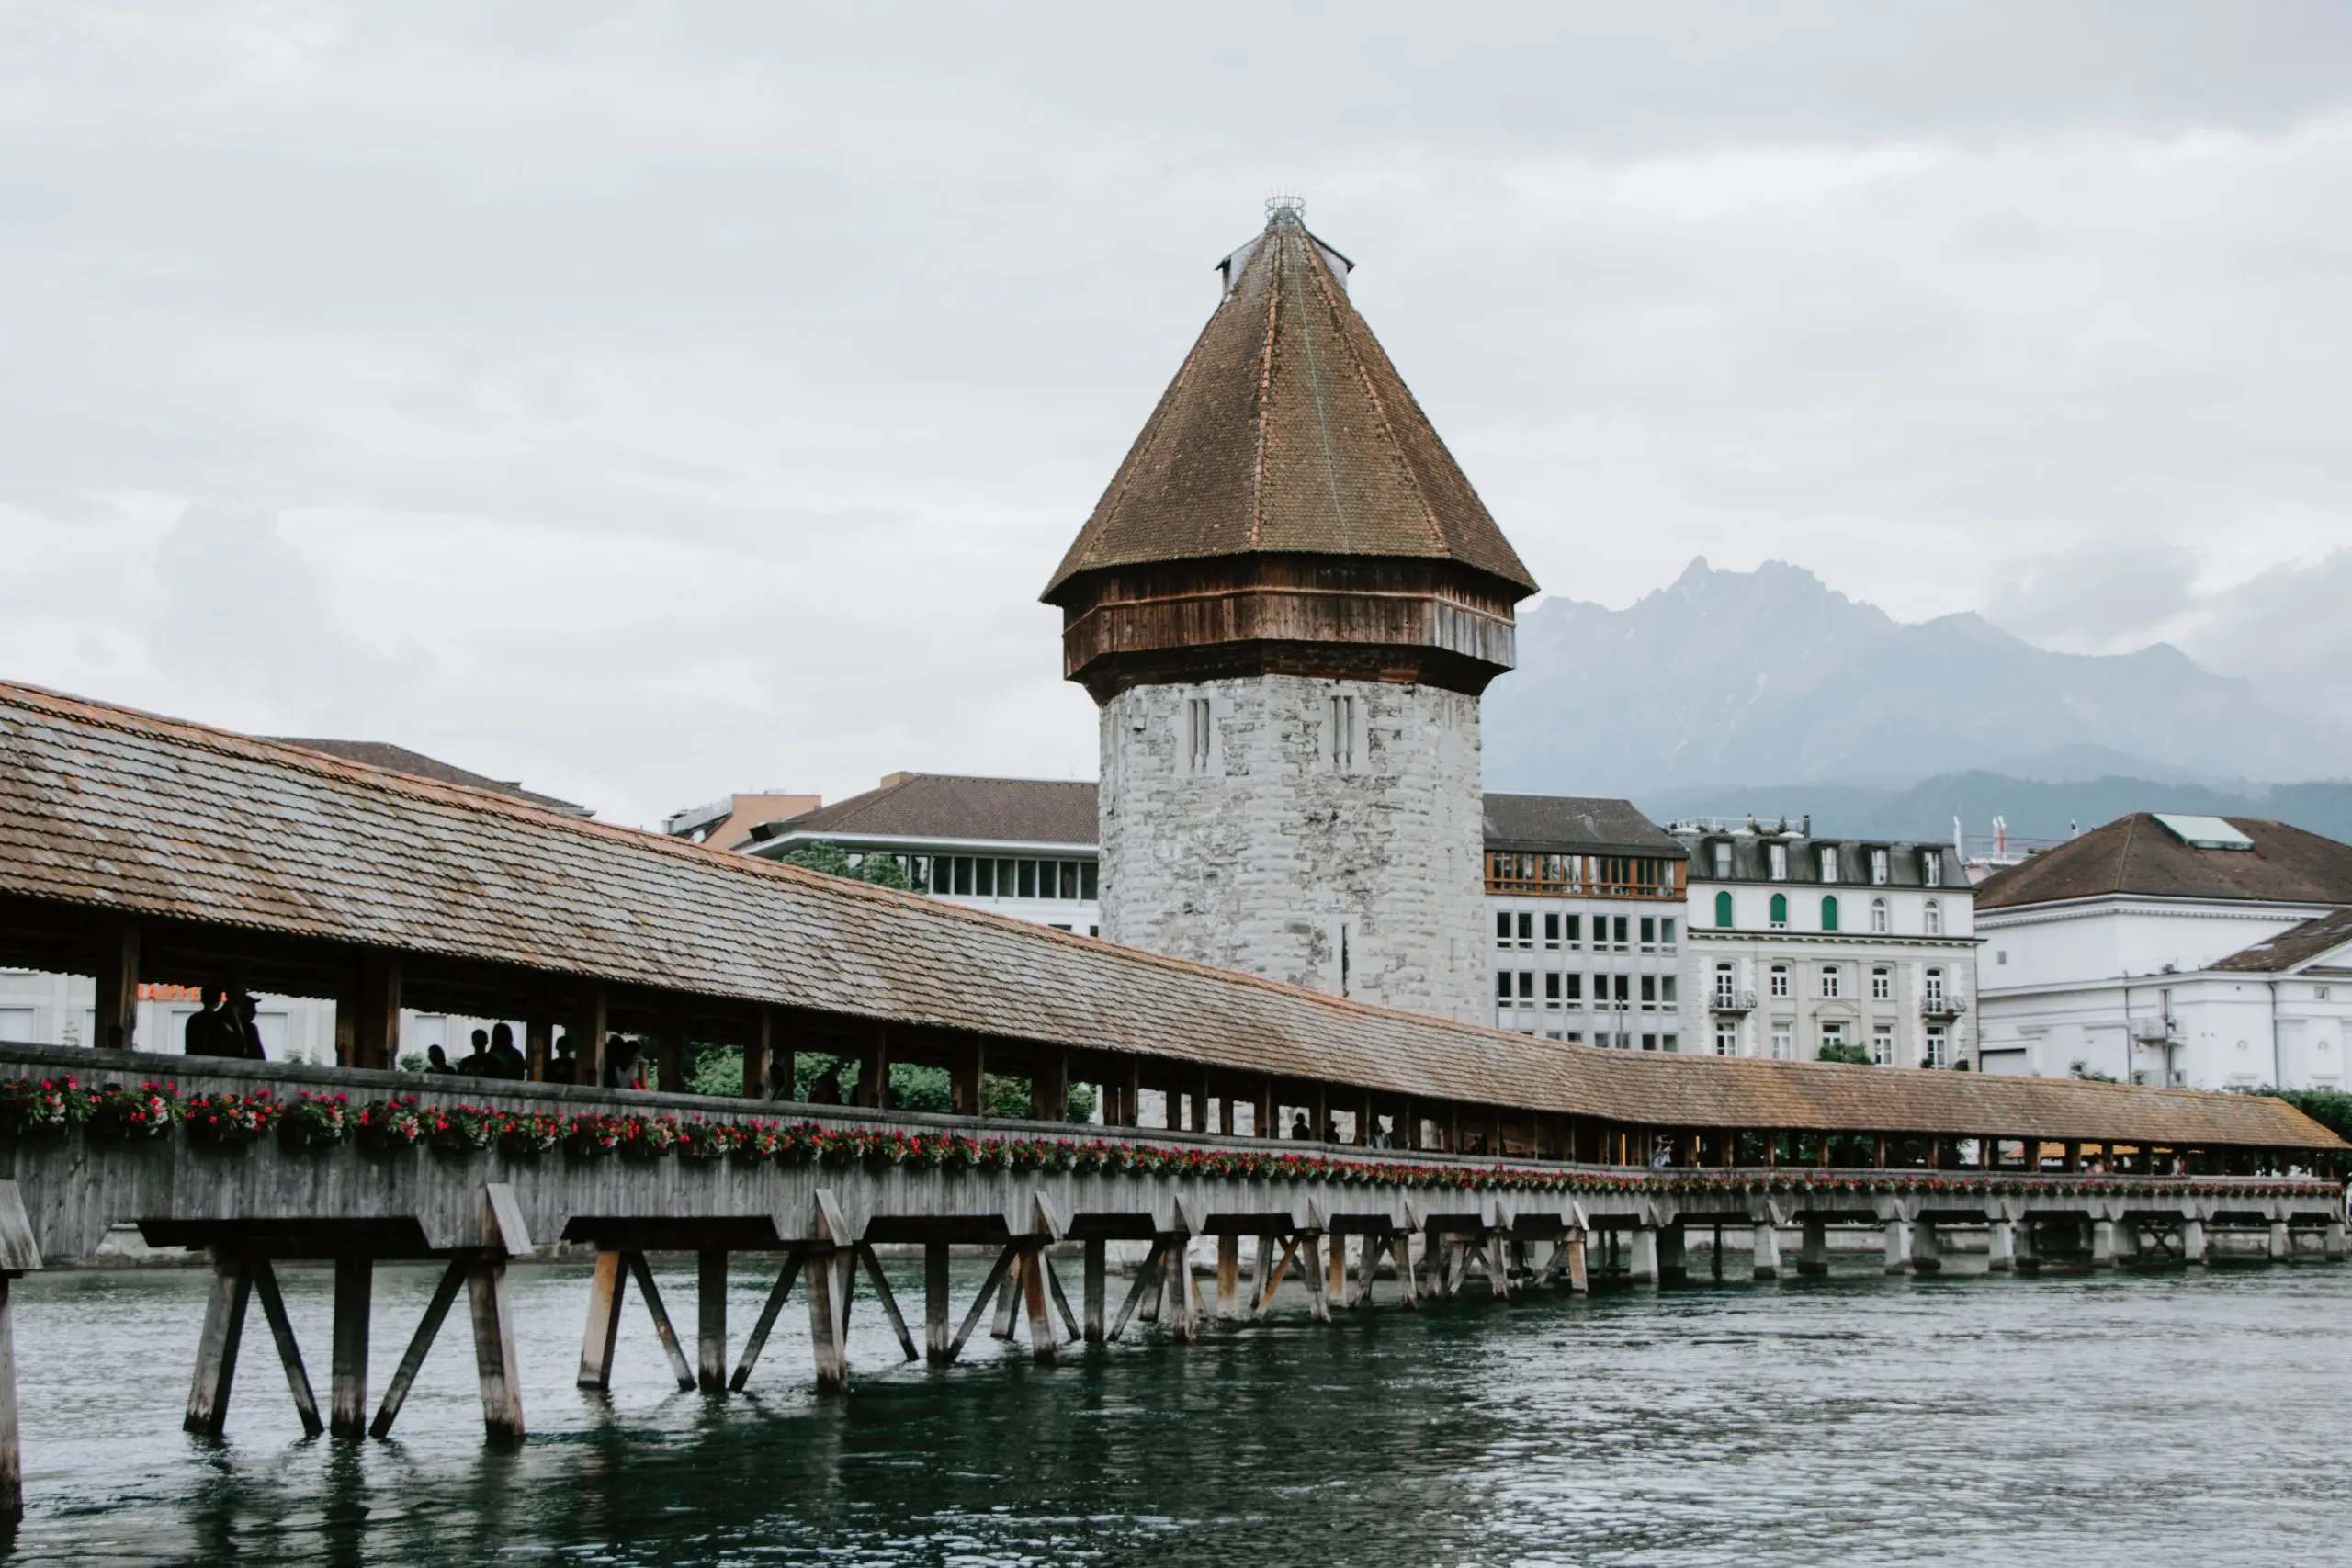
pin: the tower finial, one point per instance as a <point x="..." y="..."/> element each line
<point x="1280" y="207"/>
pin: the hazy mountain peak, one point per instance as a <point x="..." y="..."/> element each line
<point x="1773" y="676"/>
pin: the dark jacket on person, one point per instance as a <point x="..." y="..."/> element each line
<point x="213" y="1032"/>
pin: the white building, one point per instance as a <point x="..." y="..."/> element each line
<point x="1585" y="899"/>
<point x="2172" y="949"/>
<point x="1797" y="944"/>
<point x="1019" y="847"/>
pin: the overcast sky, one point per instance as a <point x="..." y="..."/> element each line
<point x="650" y="401"/>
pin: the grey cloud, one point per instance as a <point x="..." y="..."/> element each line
<point x="2108" y="597"/>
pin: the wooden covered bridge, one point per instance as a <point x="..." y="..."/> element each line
<point x="139" y="849"/>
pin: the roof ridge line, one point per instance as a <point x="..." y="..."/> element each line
<point x="1314" y="380"/>
<point x="1436" y="533"/>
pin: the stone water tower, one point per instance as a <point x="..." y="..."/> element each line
<point x="1286" y="605"/>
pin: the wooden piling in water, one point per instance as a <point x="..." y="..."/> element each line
<point x="355" y="1284"/>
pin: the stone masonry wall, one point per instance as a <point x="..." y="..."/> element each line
<point x="1273" y="855"/>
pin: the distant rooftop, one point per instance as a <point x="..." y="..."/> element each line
<point x="400" y="760"/>
<point x="2298" y="947"/>
<point x="1574" y="824"/>
<point x="2143" y="854"/>
<point x="953" y="808"/>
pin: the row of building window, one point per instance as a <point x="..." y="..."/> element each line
<point x="1937" y="1050"/>
<point x="986" y="876"/>
<point x="1611" y="1039"/>
<point x="1517" y="929"/>
<point x="1780" y="981"/>
<point x="1518" y="988"/>
<point x="1571" y="876"/>
<point x="1829" y="860"/>
<point x="1880" y="916"/>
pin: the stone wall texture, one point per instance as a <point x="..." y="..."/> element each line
<point x="1358" y="874"/>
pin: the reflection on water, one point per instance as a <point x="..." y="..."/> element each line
<point x="2186" y="1418"/>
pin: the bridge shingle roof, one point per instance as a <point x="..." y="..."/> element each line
<point x="105" y="808"/>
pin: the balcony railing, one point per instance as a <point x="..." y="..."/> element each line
<point x="1947" y="1006"/>
<point x="1731" y="1002"/>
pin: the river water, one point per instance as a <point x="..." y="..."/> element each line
<point x="2173" y="1419"/>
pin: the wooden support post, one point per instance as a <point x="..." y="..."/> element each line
<point x="1044" y="1345"/>
<point x="355" y="1282"/>
<point x="828" y="1318"/>
<point x="759" y="1039"/>
<point x="1147" y="1280"/>
<point x="1061" y="1302"/>
<point x="1261" y="1273"/>
<point x="887" y="1298"/>
<point x="1228" y="1276"/>
<point x="1176" y="1272"/>
<point x="670" y="1046"/>
<point x="966" y="1084"/>
<point x="494" y="1361"/>
<point x="216" y="1347"/>
<point x="376" y="1023"/>
<point x="1336" y="1287"/>
<point x="587" y="1031"/>
<point x="759" y="1330"/>
<point x="1049" y="1086"/>
<point x="710" y="1319"/>
<point x="980" y="1303"/>
<point x="538" y="1044"/>
<point x="938" y="1337"/>
<point x="289" y="1354"/>
<point x="1318" y="1299"/>
<point x="1368" y="1268"/>
<point x="1009" y="1296"/>
<point x="1409" y="1287"/>
<point x="874" y="1069"/>
<point x="117" y="1000"/>
<point x="12" y="1457"/>
<point x="1274" y="1279"/>
<point x="646" y="1288"/>
<point x="1152" y="1298"/>
<point x="607" y="1289"/>
<point x="1093" y="1287"/>
<point x="1261" y="1115"/>
<point x="1130" y="1072"/>
<point x="419" y="1345"/>
<point x="1579" y="1280"/>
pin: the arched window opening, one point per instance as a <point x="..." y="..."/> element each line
<point x="1878" y="916"/>
<point x="1829" y="913"/>
<point x="1780" y="912"/>
<point x="1722" y="911"/>
<point x="1935" y="918"/>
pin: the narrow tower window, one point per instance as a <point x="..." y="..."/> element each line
<point x="1197" y="733"/>
<point x="1343" y="734"/>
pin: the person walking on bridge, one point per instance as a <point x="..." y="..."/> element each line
<point x="505" y="1061"/>
<point x="209" y="1031"/>
<point x="475" y="1063"/>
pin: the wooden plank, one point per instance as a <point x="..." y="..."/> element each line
<point x="980" y="1303"/>
<point x="1009" y="1296"/>
<point x="646" y="1288"/>
<point x="117" y="991"/>
<point x="766" y="1324"/>
<point x="12" y="1457"/>
<point x="937" y="1338"/>
<point x="607" y="1290"/>
<point x="1228" y="1276"/>
<point x="355" y="1282"/>
<point x="1044" y="1345"/>
<point x="419" y="1344"/>
<point x="1146" y="1279"/>
<point x="710" y="1319"/>
<point x="216" y="1347"/>
<point x="1094" y="1284"/>
<point x="494" y="1361"/>
<point x="828" y="1292"/>
<point x="1061" y="1302"/>
<point x="289" y="1354"/>
<point x="1274" y="1281"/>
<point x="866" y="1256"/>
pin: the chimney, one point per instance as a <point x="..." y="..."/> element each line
<point x="1808" y="825"/>
<point x="892" y="781"/>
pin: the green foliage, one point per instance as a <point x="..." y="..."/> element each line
<point x="716" y="1069"/>
<point x="1836" y="1051"/>
<point x="413" y="1061"/>
<point x="824" y="855"/>
<point x="2331" y="1108"/>
<point x="2085" y="1072"/>
<point x="918" y="1089"/>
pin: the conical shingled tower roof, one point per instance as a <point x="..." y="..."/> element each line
<point x="1288" y="431"/>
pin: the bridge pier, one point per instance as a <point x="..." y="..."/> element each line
<point x="1095" y="1285"/>
<point x="1764" y="1242"/>
<point x="2103" y="1243"/>
<point x="939" y="1338"/>
<point x="607" y="1290"/>
<point x="1813" y="1249"/>
<point x="1672" y="1266"/>
<point x="1897" y="1232"/>
<point x="828" y="1289"/>
<point x="494" y="1360"/>
<point x="2193" y="1249"/>
<point x="2282" y="1241"/>
<point x="354" y="1281"/>
<point x="2028" y="1247"/>
<point x="1228" y="1276"/>
<point x="1641" y="1256"/>
<point x="216" y="1347"/>
<point x="2001" y="1247"/>
<point x="2332" y="1241"/>
<point x="710" y="1319"/>
<point x="1579" y="1277"/>
<point x="1927" y="1248"/>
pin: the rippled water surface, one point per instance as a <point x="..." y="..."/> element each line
<point x="2170" y="1419"/>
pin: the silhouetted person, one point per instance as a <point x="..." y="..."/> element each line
<point x="244" y="1015"/>
<point x="1298" y="1128"/>
<point x="505" y="1061"/>
<point x="562" y="1066"/>
<point x="437" y="1061"/>
<point x="210" y="1030"/>
<point x="827" y="1090"/>
<point x="623" y="1065"/>
<point x="475" y="1062"/>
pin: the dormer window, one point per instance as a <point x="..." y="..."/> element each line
<point x="1878" y="868"/>
<point x="1779" y="863"/>
<point x="1828" y="863"/>
<point x="1931" y="868"/>
<point x="1722" y="861"/>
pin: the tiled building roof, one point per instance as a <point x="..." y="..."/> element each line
<point x="1572" y="823"/>
<point x="2296" y="946"/>
<point x="948" y="805"/>
<point x="2136" y="854"/>
<point x="400" y="760"/>
<point x="108" y="809"/>
<point x="1287" y="431"/>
